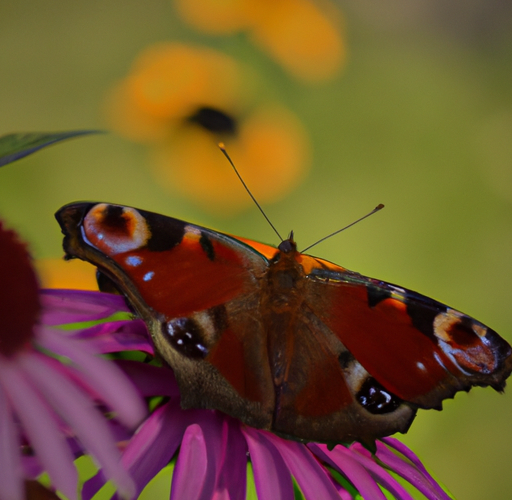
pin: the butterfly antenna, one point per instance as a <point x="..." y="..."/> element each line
<point x="376" y="209"/>
<point x="223" y="149"/>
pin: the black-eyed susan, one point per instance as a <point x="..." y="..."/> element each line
<point x="305" y="37"/>
<point x="183" y="100"/>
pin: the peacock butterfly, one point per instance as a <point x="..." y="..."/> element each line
<point x="281" y="340"/>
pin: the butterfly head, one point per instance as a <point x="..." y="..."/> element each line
<point x="288" y="245"/>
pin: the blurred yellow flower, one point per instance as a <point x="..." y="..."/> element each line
<point x="304" y="36"/>
<point x="183" y="100"/>
<point x="167" y="83"/>
<point x="57" y="273"/>
<point x="221" y="17"/>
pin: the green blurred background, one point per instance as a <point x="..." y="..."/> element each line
<point x="420" y="119"/>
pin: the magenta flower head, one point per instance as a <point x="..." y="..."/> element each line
<point x="53" y="389"/>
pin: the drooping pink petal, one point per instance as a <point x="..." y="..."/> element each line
<point x="102" y="375"/>
<point x="342" y="461"/>
<point x="190" y="472"/>
<point x="410" y="455"/>
<point x="116" y="336"/>
<point x="210" y="423"/>
<point x="150" y="380"/>
<point x="381" y="475"/>
<point x="11" y="483"/>
<point x="411" y="473"/>
<point x="41" y="430"/>
<point x="67" y="371"/>
<point x="271" y="475"/>
<point x="60" y="306"/>
<point x="312" y="479"/>
<point x="154" y="443"/>
<point x="232" y="476"/>
<point x="79" y="412"/>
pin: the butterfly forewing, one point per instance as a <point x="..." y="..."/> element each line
<point x="196" y="289"/>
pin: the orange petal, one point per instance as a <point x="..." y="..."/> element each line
<point x="170" y="79"/>
<point x="304" y="39"/>
<point x="57" y="273"/>
<point x="219" y="17"/>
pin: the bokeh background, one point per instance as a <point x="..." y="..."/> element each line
<point x="418" y="116"/>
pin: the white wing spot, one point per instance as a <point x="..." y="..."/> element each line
<point x="133" y="260"/>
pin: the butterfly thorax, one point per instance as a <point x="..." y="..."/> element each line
<point x="280" y="302"/>
<point x="283" y="288"/>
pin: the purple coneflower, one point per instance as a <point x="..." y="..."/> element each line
<point x="51" y="383"/>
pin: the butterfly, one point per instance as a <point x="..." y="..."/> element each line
<point x="278" y="339"/>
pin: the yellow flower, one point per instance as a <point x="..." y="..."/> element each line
<point x="305" y="39"/>
<point x="221" y="17"/>
<point x="57" y="273"/>
<point x="183" y="100"/>
<point x="166" y="84"/>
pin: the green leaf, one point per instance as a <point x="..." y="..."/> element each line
<point x="16" y="146"/>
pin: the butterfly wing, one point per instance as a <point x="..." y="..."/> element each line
<point x="198" y="292"/>
<point x="416" y="348"/>
<point x="281" y="340"/>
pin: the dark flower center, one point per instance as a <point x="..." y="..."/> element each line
<point x="19" y="299"/>
<point x="214" y="120"/>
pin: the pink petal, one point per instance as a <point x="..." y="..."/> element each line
<point x="80" y="413"/>
<point x="232" y="477"/>
<point x="410" y="473"/>
<point x="381" y="475"/>
<point x="154" y="443"/>
<point x="409" y="454"/>
<point x="115" y="336"/>
<point x="210" y="423"/>
<point x="271" y="475"/>
<point x="134" y="326"/>
<point x="118" y="393"/>
<point x="74" y="306"/>
<point x="311" y="477"/>
<point x="190" y="472"/>
<point x="42" y="431"/>
<point x="118" y="342"/>
<point x="150" y="380"/>
<point x="352" y="469"/>
<point x="11" y="483"/>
